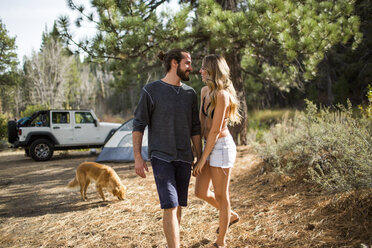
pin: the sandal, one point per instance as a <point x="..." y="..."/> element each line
<point x="218" y="246"/>
<point x="231" y="223"/>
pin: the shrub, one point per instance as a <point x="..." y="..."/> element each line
<point x="3" y="126"/>
<point x="330" y="148"/>
<point x="368" y="109"/>
<point x="30" y="109"/>
<point x="4" y="118"/>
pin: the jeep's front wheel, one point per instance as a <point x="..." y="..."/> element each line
<point x="41" y="150"/>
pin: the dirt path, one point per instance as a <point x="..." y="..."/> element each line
<point x="37" y="210"/>
<point x="31" y="188"/>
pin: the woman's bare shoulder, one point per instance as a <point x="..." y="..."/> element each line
<point x="204" y="90"/>
<point x="223" y="95"/>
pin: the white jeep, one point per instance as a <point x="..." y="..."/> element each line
<point x="49" y="130"/>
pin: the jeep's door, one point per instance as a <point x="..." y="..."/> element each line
<point x="85" y="129"/>
<point x="62" y="128"/>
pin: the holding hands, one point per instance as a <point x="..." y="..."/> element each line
<point x="198" y="167"/>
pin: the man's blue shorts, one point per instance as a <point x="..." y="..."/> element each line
<point x="172" y="182"/>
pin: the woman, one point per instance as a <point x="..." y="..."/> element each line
<point x="219" y="106"/>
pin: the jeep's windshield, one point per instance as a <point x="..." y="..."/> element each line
<point x="41" y="120"/>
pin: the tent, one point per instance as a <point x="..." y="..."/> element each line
<point x="119" y="148"/>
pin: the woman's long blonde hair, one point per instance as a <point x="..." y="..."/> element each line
<point x="218" y="78"/>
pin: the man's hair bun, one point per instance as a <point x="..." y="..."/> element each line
<point x="166" y="57"/>
<point x="161" y="55"/>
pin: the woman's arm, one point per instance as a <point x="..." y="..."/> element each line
<point x="202" y="117"/>
<point x="222" y="102"/>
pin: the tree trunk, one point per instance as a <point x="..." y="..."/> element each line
<point x="330" y="96"/>
<point x="233" y="59"/>
<point x="228" y="4"/>
<point x="238" y="131"/>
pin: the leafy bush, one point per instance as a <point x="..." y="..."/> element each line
<point x="3" y="126"/>
<point x="30" y="109"/>
<point x="368" y="109"/>
<point x="331" y="148"/>
<point x="4" y="118"/>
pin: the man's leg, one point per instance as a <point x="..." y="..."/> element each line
<point x="164" y="174"/>
<point x="179" y="213"/>
<point x="171" y="226"/>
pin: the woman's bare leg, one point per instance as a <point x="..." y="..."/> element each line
<point x="221" y="180"/>
<point x="202" y="190"/>
<point x="202" y="187"/>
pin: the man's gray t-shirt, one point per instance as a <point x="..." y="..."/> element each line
<point x="172" y="116"/>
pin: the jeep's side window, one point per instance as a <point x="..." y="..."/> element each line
<point x="42" y="120"/>
<point x="60" y="117"/>
<point x="83" y="117"/>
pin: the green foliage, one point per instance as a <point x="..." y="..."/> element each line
<point x="47" y="74"/>
<point x="8" y="57"/>
<point x="282" y="41"/>
<point x="330" y="148"/>
<point x="278" y="43"/>
<point x="10" y="95"/>
<point x="3" y="126"/>
<point x="30" y="109"/>
<point x="297" y="37"/>
<point x="367" y="111"/>
<point x="7" y="54"/>
<point x="345" y="71"/>
<point x="129" y="36"/>
<point x="369" y="108"/>
<point x="57" y="79"/>
<point x="126" y="29"/>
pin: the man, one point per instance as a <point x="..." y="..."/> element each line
<point x="170" y="110"/>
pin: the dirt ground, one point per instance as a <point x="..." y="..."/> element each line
<point x="37" y="210"/>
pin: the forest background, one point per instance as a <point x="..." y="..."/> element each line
<point x="280" y="53"/>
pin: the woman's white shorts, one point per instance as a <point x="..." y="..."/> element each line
<point x="224" y="153"/>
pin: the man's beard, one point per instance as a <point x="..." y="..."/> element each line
<point x="182" y="74"/>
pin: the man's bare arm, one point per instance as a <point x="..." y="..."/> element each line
<point x="139" y="164"/>
<point x="196" y="141"/>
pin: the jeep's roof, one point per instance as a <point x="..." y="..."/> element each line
<point x="68" y="110"/>
<point x="48" y="110"/>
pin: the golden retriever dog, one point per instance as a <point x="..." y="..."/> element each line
<point x="103" y="175"/>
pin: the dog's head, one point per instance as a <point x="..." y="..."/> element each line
<point x="119" y="192"/>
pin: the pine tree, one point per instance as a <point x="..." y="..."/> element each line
<point x="9" y="76"/>
<point x="274" y="42"/>
<point x="8" y="56"/>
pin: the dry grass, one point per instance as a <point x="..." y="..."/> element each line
<point x="37" y="210"/>
<point x="113" y="118"/>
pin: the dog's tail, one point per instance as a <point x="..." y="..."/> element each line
<point x="73" y="183"/>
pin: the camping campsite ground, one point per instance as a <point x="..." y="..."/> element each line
<point x="37" y="210"/>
